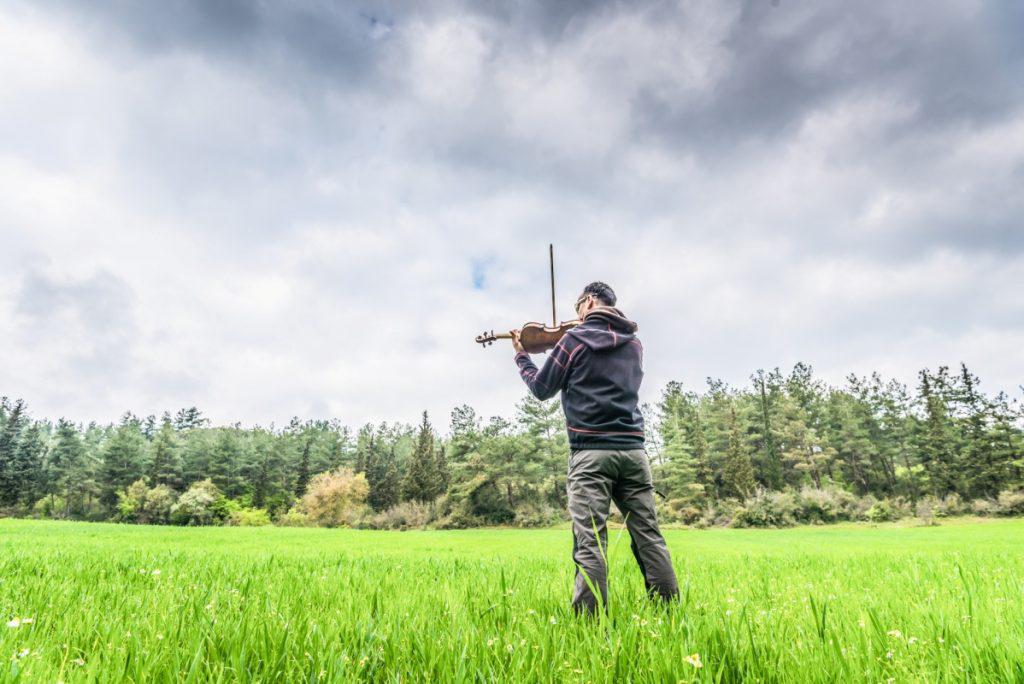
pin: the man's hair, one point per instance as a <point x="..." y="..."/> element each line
<point x="601" y="292"/>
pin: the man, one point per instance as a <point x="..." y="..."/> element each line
<point x="597" y="367"/>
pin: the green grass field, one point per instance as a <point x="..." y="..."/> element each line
<point x="102" y="602"/>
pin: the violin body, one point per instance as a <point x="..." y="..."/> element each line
<point x="536" y="338"/>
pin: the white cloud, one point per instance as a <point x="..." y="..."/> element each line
<point x="267" y="227"/>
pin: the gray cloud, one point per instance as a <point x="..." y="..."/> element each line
<point x="310" y="208"/>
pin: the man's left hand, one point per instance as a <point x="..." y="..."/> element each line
<point x="516" y="344"/>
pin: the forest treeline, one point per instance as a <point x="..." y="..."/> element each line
<point x="787" y="448"/>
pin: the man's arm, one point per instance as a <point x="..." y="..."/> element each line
<point x="547" y="381"/>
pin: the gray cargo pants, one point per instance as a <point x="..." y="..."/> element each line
<point x="596" y="478"/>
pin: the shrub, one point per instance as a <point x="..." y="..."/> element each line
<point x="984" y="507"/>
<point x="952" y="504"/>
<point x="131" y="500"/>
<point x="827" y="505"/>
<point x="1011" y="502"/>
<point x="49" y="507"/>
<point x="337" y="498"/>
<point x="766" y="509"/>
<point x="158" y="504"/>
<point x="293" y="517"/>
<point x="248" y="517"/>
<point x="539" y="515"/>
<point x="200" y="505"/>
<point x="883" y="511"/>
<point x="404" y="516"/>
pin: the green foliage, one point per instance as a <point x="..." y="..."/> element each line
<point x="943" y="448"/>
<point x="199" y="505"/>
<point x="248" y="517"/>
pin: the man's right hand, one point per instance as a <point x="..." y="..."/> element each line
<point x="516" y="344"/>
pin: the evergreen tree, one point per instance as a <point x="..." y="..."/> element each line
<point x="28" y="464"/>
<point x="165" y="464"/>
<point x="738" y="475"/>
<point x="10" y="433"/>
<point x="224" y="462"/>
<point x="189" y="419"/>
<point x="123" y="459"/>
<point x="302" y="476"/>
<point x="934" y="438"/>
<point x="382" y="476"/>
<point x="768" y="388"/>
<point x="67" y="467"/>
<point x="422" y="482"/>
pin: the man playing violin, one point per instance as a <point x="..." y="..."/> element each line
<point x="597" y="366"/>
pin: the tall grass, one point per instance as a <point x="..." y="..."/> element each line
<point x="120" y="603"/>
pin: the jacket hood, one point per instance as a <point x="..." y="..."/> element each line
<point x="605" y="328"/>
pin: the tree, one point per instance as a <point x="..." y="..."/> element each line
<point x="302" y="476"/>
<point x="548" y="443"/>
<point x="198" y="505"/>
<point x="67" y="469"/>
<point x="28" y="464"/>
<point x="738" y="475"/>
<point x="934" y="436"/>
<point x="383" y="479"/>
<point x="10" y="432"/>
<point x="165" y="464"/>
<point x="422" y="482"/>
<point x="769" y="388"/>
<point x="189" y="419"/>
<point x="337" y="498"/>
<point x="224" y="462"/>
<point x="123" y="459"/>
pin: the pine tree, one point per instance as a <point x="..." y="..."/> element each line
<point x="768" y="388"/>
<point x="165" y="464"/>
<point x="123" y="459"/>
<point x="935" y="439"/>
<point x="224" y="463"/>
<point x="28" y="464"/>
<point x="66" y="466"/>
<point x="10" y="432"/>
<point x="382" y="476"/>
<point x="303" y="474"/>
<point x="738" y="475"/>
<point x="421" y="478"/>
<point x="189" y="419"/>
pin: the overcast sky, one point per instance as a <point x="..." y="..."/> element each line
<point x="269" y="209"/>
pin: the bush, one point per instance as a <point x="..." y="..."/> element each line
<point x="138" y="503"/>
<point x="984" y="507"/>
<point x="337" y="498"/>
<point x="883" y="511"/>
<point x="539" y="515"/>
<point x="1011" y="502"/>
<point x="202" y="504"/>
<point x="828" y="505"/>
<point x="248" y="517"/>
<point x="403" y="516"/>
<point x="766" y="509"/>
<point x="293" y="517"/>
<point x="49" y="507"/>
<point x="158" y="504"/>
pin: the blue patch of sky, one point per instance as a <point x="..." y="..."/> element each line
<point x="479" y="269"/>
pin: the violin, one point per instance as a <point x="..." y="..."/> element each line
<point x="536" y="338"/>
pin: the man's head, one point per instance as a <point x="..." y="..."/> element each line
<point x="594" y="295"/>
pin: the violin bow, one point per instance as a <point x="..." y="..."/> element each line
<point x="551" y="255"/>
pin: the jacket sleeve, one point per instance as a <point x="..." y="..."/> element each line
<point x="546" y="382"/>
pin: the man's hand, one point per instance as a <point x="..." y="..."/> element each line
<point x="516" y="344"/>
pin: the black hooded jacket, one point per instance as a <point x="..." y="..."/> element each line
<point x="598" y="368"/>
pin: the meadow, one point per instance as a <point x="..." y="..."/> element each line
<point x="106" y="602"/>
